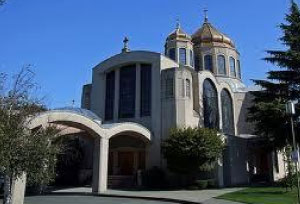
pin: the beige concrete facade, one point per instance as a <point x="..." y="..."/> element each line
<point x="182" y="105"/>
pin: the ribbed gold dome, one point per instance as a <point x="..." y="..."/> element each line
<point x="179" y="34"/>
<point x="209" y="34"/>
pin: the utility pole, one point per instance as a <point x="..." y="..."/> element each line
<point x="290" y="110"/>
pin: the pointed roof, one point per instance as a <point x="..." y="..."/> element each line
<point x="179" y="34"/>
<point x="209" y="34"/>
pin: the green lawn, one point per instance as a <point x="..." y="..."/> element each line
<point x="263" y="195"/>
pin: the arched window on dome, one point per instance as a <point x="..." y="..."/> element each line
<point x="208" y="63"/>
<point x="191" y="58"/>
<point x="182" y="56"/>
<point x="188" y="88"/>
<point x="227" y="112"/>
<point x="172" y="54"/>
<point x="232" y="67"/>
<point x="221" y="65"/>
<point x="210" y="105"/>
<point x="239" y="69"/>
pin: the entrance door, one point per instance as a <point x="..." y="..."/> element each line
<point x="126" y="163"/>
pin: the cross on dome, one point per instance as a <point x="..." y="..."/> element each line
<point x="205" y="15"/>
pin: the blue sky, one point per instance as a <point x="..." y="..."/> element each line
<point x="65" y="39"/>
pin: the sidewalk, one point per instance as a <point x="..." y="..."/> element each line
<point x="199" y="196"/>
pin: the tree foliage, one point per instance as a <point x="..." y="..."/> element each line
<point x="189" y="150"/>
<point x="282" y="84"/>
<point x="23" y="150"/>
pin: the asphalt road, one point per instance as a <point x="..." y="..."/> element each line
<point x="87" y="200"/>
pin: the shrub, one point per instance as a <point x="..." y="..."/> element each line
<point x="154" y="178"/>
<point x="211" y="183"/>
<point x="202" y="184"/>
<point x="189" y="150"/>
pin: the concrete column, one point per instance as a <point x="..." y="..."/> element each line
<point x="100" y="167"/>
<point x="138" y="91"/>
<point x="117" y="90"/>
<point x="18" y="190"/>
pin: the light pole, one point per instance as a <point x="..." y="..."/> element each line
<point x="290" y="110"/>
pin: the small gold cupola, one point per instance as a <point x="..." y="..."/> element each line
<point x="179" y="47"/>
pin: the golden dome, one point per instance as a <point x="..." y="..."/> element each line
<point x="209" y="34"/>
<point x="179" y="34"/>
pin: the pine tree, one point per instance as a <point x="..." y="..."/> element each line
<point x="281" y="85"/>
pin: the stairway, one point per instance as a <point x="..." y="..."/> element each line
<point x="120" y="181"/>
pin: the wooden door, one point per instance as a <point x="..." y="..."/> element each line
<point x="126" y="163"/>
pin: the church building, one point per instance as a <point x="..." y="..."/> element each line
<point x="197" y="82"/>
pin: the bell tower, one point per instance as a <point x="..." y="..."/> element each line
<point x="179" y="47"/>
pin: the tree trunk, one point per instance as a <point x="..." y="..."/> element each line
<point x="7" y="190"/>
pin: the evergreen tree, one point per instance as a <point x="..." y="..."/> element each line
<point x="281" y="85"/>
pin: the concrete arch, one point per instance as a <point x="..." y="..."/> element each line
<point x="118" y="128"/>
<point x="81" y="119"/>
<point x="67" y="118"/>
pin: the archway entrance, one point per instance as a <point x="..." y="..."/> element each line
<point x="80" y="121"/>
<point x="127" y="159"/>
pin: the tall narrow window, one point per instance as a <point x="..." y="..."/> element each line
<point x="172" y="54"/>
<point x="146" y="90"/>
<point x="239" y="69"/>
<point x="127" y="92"/>
<point x="109" y="95"/>
<point x="182" y="56"/>
<point x="227" y="112"/>
<point x="208" y="64"/>
<point x="210" y="105"/>
<point x="232" y="67"/>
<point x="188" y="88"/>
<point x="169" y="86"/>
<point x="191" y="58"/>
<point x="221" y="65"/>
<point x="197" y="62"/>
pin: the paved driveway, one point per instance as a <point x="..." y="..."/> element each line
<point x="63" y="199"/>
<point x="201" y="196"/>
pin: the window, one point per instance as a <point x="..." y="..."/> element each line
<point x="221" y="65"/>
<point x="208" y="64"/>
<point x="197" y="62"/>
<point x="182" y="56"/>
<point x="210" y="105"/>
<point x="169" y="86"/>
<point x="239" y="69"/>
<point x="188" y="88"/>
<point x="227" y="113"/>
<point x="172" y="54"/>
<point x="109" y="95"/>
<point x="191" y="58"/>
<point x="127" y="92"/>
<point x="232" y="67"/>
<point x="146" y="90"/>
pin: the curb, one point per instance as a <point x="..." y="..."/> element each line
<point x="123" y="196"/>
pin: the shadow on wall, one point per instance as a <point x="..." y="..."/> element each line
<point x="245" y="127"/>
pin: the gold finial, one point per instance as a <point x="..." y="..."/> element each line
<point x="125" y="48"/>
<point x="205" y="15"/>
